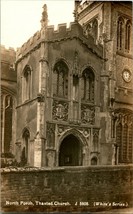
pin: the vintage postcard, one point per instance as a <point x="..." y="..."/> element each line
<point x="66" y="106"/>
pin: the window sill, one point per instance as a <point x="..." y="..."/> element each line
<point x="60" y="98"/>
<point x="124" y="53"/>
<point x="87" y="102"/>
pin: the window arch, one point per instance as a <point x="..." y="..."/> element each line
<point x="124" y="136"/>
<point x="125" y="143"/>
<point x="120" y="26"/>
<point x="123" y="34"/>
<point x="70" y="152"/>
<point x="60" y="79"/>
<point x="26" y="138"/>
<point x="130" y="143"/>
<point x="87" y="85"/>
<point x="94" y="161"/>
<point x="119" y="139"/>
<point x="128" y="35"/>
<point x="8" y="123"/>
<point x="26" y="83"/>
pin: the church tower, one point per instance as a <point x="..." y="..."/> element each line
<point x="110" y="24"/>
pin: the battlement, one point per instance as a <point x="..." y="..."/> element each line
<point x="8" y="55"/>
<point x="8" y="58"/>
<point x="47" y="34"/>
<point x="29" y="44"/>
<point x="50" y="34"/>
<point x="63" y="31"/>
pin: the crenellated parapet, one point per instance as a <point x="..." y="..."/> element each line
<point x="8" y="55"/>
<point x="74" y="31"/>
<point x="30" y="44"/>
<point x="62" y="33"/>
<point x="8" y="58"/>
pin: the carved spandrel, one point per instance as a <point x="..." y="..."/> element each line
<point x="63" y="128"/>
<point x="87" y="114"/>
<point x="123" y="117"/>
<point x="60" y="110"/>
<point x="96" y="132"/>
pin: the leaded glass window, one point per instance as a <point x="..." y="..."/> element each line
<point x="60" y="79"/>
<point x="127" y="35"/>
<point x="26" y="83"/>
<point x="87" y="85"/>
<point x="120" y="33"/>
<point x="124" y="138"/>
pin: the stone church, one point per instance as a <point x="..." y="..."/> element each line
<point x="75" y="90"/>
<point x="8" y="102"/>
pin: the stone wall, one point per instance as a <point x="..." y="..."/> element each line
<point x="8" y="73"/>
<point x="67" y="189"/>
<point x="8" y="102"/>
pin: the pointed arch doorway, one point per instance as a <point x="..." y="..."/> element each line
<point x="70" y="153"/>
<point x="25" y="150"/>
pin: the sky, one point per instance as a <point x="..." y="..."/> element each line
<point x="20" y="19"/>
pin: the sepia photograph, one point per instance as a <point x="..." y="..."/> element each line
<point x="66" y="106"/>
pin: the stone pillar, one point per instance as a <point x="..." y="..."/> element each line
<point x="51" y="158"/>
<point x="18" y="151"/>
<point x="39" y="147"/>
<point x="85" y="156"/>
<point x="38" y="153"/>
<point x="13" y="127"/>
<point x="71" y="98"/>
<point x="3" y="122"/>
<point x="80" y="76"/>
<point x="115" y="154"/>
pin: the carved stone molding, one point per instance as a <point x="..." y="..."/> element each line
<point x="43" y="60"/>
<point x="86" y="132"/>
<point x="83" y="130"/>
<point x="61" y="128"/>
<point x="95" y="132"/>
<point x="60" y="110"/>
<point x="91" y="28"/>
<point x="87" y="114"/>
<point x="40" y="97"/>
<point x="95" y="146"/>
<point x="123" y="117"/>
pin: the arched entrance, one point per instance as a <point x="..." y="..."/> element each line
<point x="94" y="161"/>
<point x="70" y="153"/>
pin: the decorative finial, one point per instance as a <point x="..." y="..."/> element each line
<point x="77" y="3"/>
<point x="44" y="20"/>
